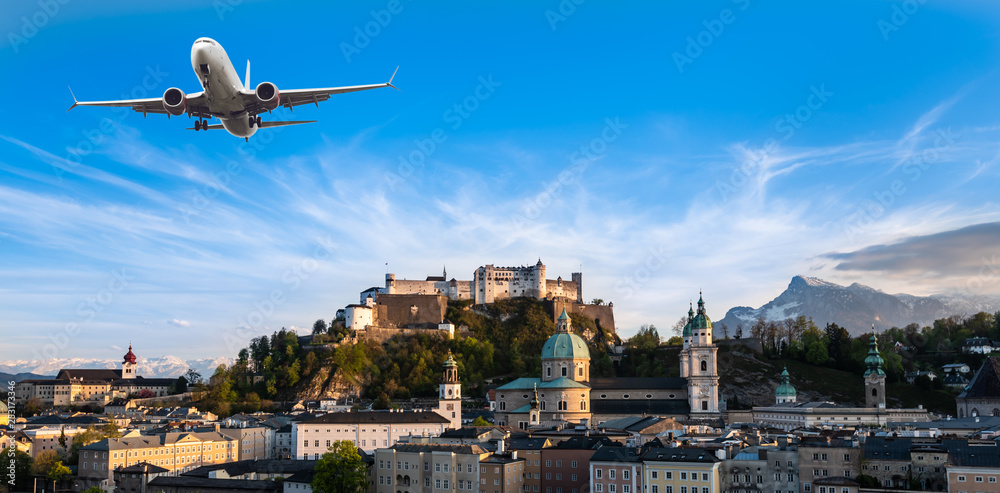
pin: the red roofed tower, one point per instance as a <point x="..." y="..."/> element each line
<point x="128" y="366"/>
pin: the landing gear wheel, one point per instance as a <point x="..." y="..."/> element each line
<point x="251" y="121"/>
<point x="258" y="121"/>
<point x="197" y="125"/>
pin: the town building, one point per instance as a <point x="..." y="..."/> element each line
<point x="176" y="451"/>
<point x="679" y="470"/>
<point x="92" y="386"/>
<point x="621" y="470"/>
<point x="982" y="396"/>
<point x="974" y="468"/>
<point x="821" y="458"/>
<point x="762" y="468"/>
<point x="565" y="465"/>
<point x="501" y="473"/>
<point x="411" y="468"/>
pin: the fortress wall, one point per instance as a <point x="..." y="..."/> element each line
<point x="402" y="310"/>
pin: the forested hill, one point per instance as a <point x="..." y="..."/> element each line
<point x="504" y="341"/>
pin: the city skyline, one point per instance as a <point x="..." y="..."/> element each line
<point x="660" y="150"/>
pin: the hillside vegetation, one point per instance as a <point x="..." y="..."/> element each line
<point x="503" y="341"/>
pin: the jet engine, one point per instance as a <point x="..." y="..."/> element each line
<point x="174" y="101"/>
<point x="267" y="94"/>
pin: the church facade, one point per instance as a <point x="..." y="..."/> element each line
<point x="566" y="392"/>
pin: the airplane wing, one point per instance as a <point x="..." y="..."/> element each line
<point x="296" y="97"/>
<point x="218" y="126"/>
<point x="197" y="104"/>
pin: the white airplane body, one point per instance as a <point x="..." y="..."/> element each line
<point x="226" y="97"/>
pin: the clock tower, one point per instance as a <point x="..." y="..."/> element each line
<point x="874" y="376"/>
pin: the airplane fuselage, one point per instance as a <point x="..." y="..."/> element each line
<point x="222" y="86"/>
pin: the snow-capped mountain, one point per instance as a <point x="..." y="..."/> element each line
<point x="856" y="307"/>
<point x="161" y="367"/>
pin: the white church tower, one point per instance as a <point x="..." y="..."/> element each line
<point x="450" y="394"/>
<point x="699" y="364"/>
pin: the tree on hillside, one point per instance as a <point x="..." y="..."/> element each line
<point x="678" y="327"/>
<point x="17" y="478"/>
<point x="646" y="339"/>
<point x="340" y="470"/>
<point x="725" y="331"/>
<point x="193" y="377"/>
<point x="320" y="327"/>
<point x="479" y="421"/>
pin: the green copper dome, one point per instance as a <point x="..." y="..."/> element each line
<point x="874" y="360"/>
<point x="564" y="316"/>
<point x="785" y="389"/>
<point x="687" y="326"/>
<point x="450" y="362"/>
<point x="699" y="320"/>
<point x="565" y="345"/>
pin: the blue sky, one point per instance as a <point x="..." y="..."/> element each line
<point x="724" y="146"/>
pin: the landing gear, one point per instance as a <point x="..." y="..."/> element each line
<point x="258" y="121"/>
<point x="200" y="124"/>
<point x="253" y="120"/>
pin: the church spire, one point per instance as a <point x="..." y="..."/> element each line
<point x="874" y="360"/>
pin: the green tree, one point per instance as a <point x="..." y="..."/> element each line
<point x="18" y="479"/>
<point x="479" y="421"/>
<point x="93" y="489"/>
<point x="340" y="470"/>
<point x="320" y="327"/>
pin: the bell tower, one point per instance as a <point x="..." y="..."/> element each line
<point x="129" y="366"/>
<point x="699" y="364"/>
<point x="874" y="375"/>
<point x="450" y="394"/>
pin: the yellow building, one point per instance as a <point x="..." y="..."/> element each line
<point x="681" y="470"/>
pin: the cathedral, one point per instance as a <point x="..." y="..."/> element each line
<point x="565" y="391"/>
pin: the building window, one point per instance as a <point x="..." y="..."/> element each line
<point x="597" y="472"/>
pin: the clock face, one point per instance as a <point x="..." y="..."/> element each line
<point x="873" y="378"/>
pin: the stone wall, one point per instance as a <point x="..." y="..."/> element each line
<point x="410" y="310"/>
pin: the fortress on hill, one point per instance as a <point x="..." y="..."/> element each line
<point x="488" y="284"/>
<point x="422" y="304"/>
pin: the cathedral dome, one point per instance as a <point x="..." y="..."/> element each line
<point x="565" y="345"/>
<point x="785" y="389"/>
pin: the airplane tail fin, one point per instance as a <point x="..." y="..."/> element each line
<point x="74" y="98"/>
<point x="247" y="83"/>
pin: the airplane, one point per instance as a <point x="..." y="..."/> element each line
<point x="226" y="97"/>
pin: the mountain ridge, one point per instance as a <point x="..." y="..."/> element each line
<point x="158" y="367"/>
<point x="856" y="307"/>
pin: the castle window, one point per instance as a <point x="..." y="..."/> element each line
<point x="548" y="371"/>
<point x="564" y="371"/>
<point x="583" y="405"/>
<point x="704" y="366"/>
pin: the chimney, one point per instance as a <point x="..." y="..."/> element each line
<point x="500" y="446"/>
